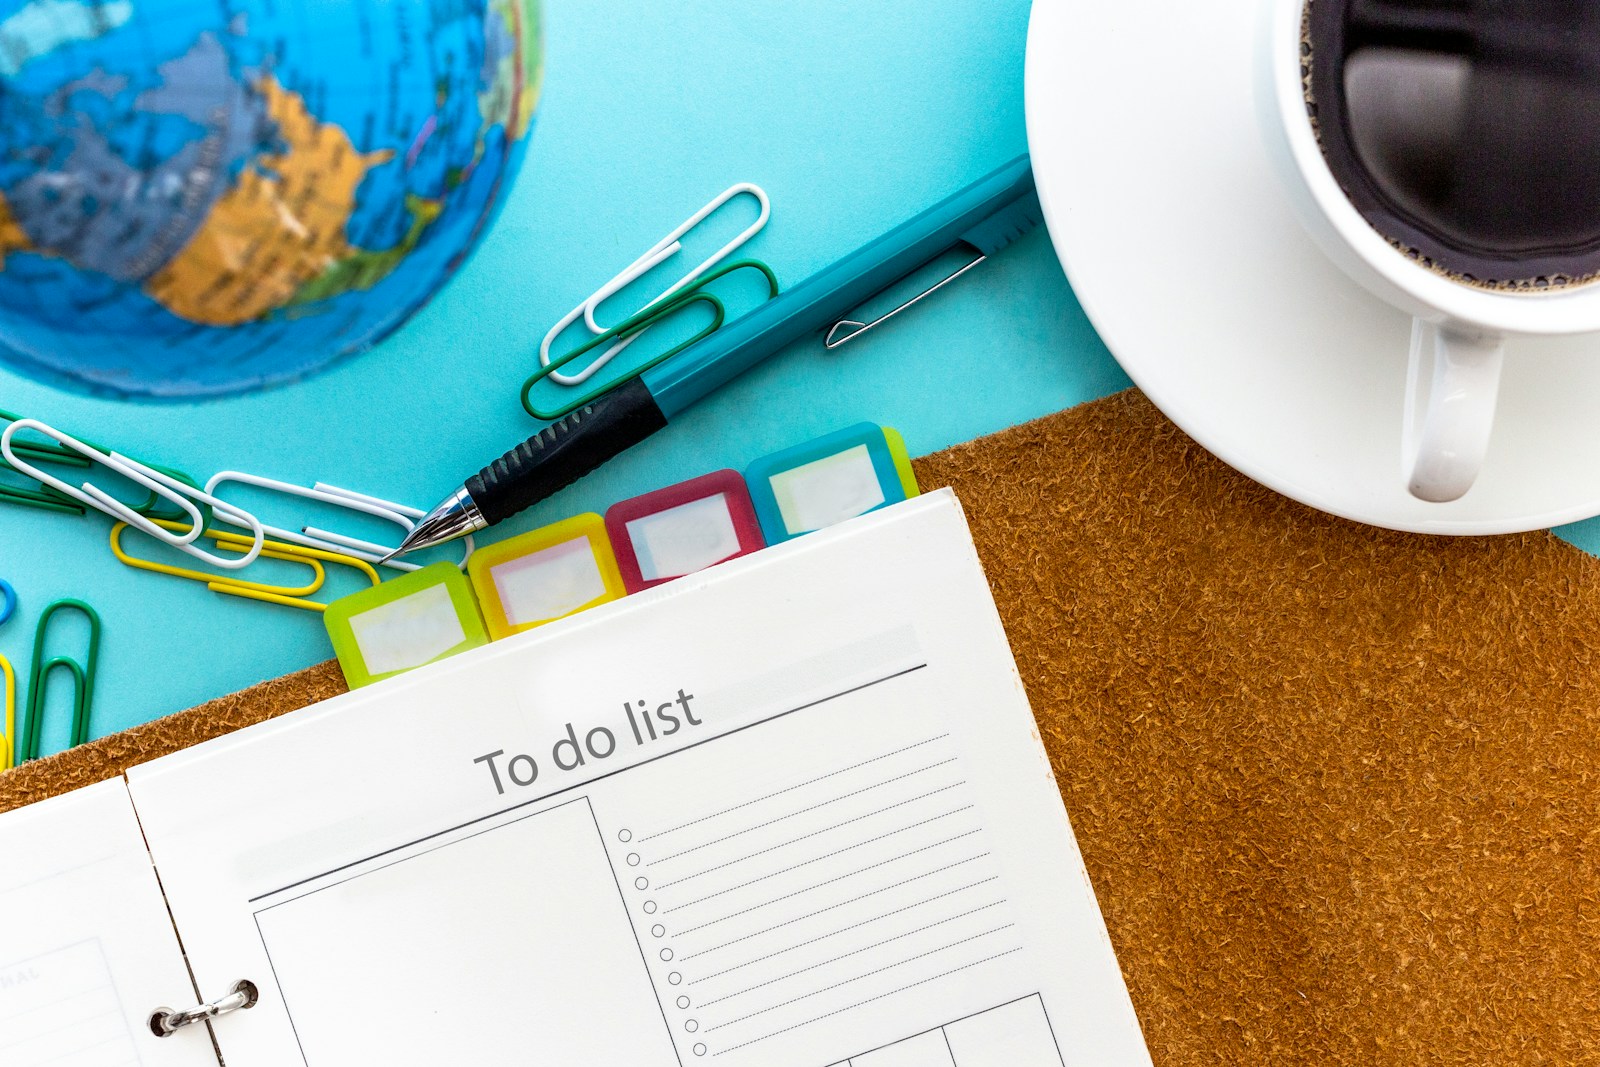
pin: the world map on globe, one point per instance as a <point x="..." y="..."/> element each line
<point x="205" y="197"/>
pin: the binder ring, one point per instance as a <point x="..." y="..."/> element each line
<point x="164" y="1022"/>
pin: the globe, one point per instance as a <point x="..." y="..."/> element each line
<point x="202" y="199"/>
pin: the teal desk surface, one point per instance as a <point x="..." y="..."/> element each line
<point x="853" y="118"/>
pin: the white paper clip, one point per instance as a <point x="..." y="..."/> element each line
<point x="328" y="540"/>
<point x="668" y="246"/>
<point x="163" y="485"/>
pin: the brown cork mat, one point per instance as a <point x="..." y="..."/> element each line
<point x="1338" y="789"/>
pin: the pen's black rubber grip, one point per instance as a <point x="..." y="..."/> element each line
<point x="565" y="451"/>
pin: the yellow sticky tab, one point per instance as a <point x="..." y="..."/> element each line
<point x="545" y="575"/>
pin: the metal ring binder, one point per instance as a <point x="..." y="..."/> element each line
<point x="164" y="1022"/>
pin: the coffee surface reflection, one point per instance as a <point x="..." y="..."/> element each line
<point x="1466" y="133"/>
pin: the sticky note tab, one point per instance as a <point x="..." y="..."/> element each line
<point x="683" y="528"/>
<point x="545" y="574"/>
<point x="828" y="490"/>
<point x="833" y="478"/>
<point x="405" y="622"/>
<point x="902" y="462"/>
<point x="404" y="633"/>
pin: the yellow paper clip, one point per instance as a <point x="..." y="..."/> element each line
<point x="289" y="596"/>
<point x="8" y="758"/>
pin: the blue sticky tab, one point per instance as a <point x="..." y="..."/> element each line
<point x="814" y="485"/>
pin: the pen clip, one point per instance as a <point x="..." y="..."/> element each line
<point x="1018" y="214"/>
<point x="853" y="328"/>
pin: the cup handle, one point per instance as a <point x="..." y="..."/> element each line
<point x="1451" y="389"/>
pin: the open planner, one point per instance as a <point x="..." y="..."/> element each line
<point x="791" y="811"/>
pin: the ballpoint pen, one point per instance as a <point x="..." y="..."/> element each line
<point x="987" y="215"/>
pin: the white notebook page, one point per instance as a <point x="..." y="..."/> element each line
<point x="86" y="949"/>
<point x="790" y="812"/>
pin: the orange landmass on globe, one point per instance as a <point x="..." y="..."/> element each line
<point x="12" y="236"/>
<point x="281" y="224"/>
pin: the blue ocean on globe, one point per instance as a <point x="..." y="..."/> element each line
<point x="201" y="198"/>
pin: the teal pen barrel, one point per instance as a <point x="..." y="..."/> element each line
<point x="822" y="299"/>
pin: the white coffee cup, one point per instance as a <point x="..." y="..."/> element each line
<point x="1459" y="330"/>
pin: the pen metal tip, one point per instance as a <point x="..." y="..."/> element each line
<point x="455" y="517"/>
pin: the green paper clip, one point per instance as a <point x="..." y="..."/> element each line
<point x="44" y="453"/>
<point x="43" y="497"/>
<point x="82" y="680"/>
<point x="46" y="498"/>
<point x="151" y="508"/>
<point x="637" y="323"/>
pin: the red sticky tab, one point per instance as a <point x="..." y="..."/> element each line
<point x="683" y="528"/>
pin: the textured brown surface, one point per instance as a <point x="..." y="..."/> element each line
<point x="110" y="756"/>
<point x="1338" y="789"/>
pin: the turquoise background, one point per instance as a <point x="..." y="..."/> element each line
<point x="853" y="117"/>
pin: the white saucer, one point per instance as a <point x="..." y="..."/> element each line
<point x="1166" y="212"/>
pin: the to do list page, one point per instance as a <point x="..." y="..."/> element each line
<point x="791" y="812"/>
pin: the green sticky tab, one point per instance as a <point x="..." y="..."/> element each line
<point x="902" y="461"/>
<point x="404" y="623"/>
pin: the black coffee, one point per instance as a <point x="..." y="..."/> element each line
<point x="1466" y="132"/>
